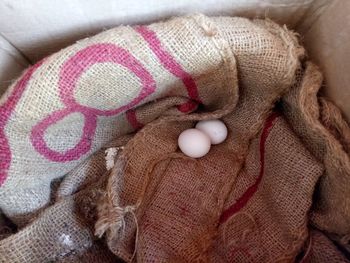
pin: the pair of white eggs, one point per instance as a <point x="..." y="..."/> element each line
<point x="196" y="142"/>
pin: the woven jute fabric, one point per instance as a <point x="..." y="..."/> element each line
<point x="320" y="249"/>
<point x="326" y="135"/>
<point x="66" y="107"/>
<point x="263" y="80"/>
<point x="265" y="217"/>
<point x="61" y="230"/>
<point x="91" y="171"/>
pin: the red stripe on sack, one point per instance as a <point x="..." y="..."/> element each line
<point x="187" y="106"/>
<point x="171" y="65"/>
<point x="248" y="194"/>
<point x="6" y="110"/>
<point x="132" y="119"/>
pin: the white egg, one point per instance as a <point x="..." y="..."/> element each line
<point x="194" y="143"/>
<point x="215" y="129"/>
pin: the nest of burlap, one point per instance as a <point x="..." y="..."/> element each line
<point x="91" y="171"/>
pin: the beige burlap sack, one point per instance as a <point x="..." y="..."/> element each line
<point x="67" y="106"/>
<point x="64" y="232"/>
<point x="137" y="197"/>
<point x="179" y="201"/>
<point x="265" y="217"/>
<point x="266" y="72"/>
<point x="326" y="134"/>
<point x="320" y="249"/>
<point x="61" y="230"/>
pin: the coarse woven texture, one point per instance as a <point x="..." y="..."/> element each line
<point x="96" y="253"/>
<point x="266" y="70"/>
<point x="265" y="217"/>
<point x="63" y="230"/>
<point x="135" y="196"/>
<point x="322" y="250"/>
<point x="326" y="135"/>
<point x="89" y="171"/>
<point x="66" y="107"/>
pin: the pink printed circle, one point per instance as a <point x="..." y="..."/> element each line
<point x="6" y="110"/>
<point x="70" y="73"/>
<point x="82" y="147"/>
<point x="102" y="53"/>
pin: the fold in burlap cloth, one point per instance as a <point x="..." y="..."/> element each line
<point x="125" y="95"/>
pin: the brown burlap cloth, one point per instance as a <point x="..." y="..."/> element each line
<point x="133" y="196"/>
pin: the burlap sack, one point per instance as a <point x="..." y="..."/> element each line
<point x="248" y="200"/>
<point x="329" y="143"/>
<point x="61" y="230"/>
<point x="178" y="216"/>
<point x="90" y="170"/>
<point x="265" y="217"/>
<point x="52" y="118"/>
<point x="136" y="181"/>
<point x="64" y="232"/>
<point x="320" y="249"/>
